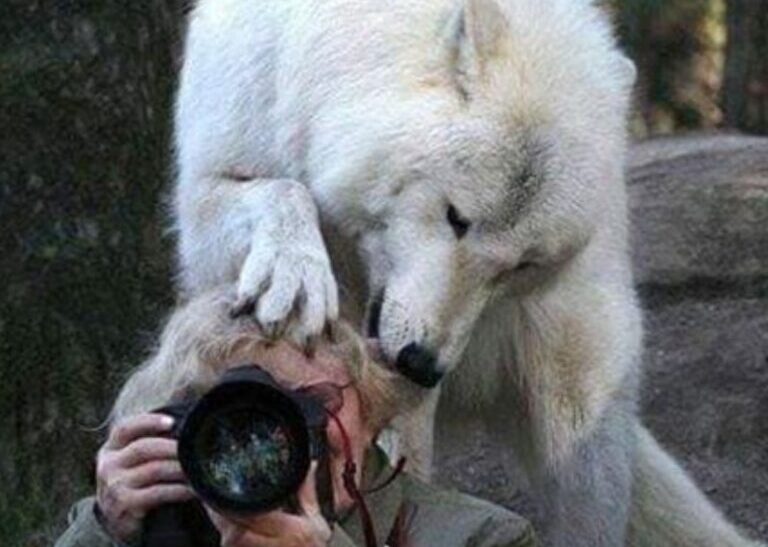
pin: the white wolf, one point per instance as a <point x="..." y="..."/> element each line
<point x="464" y="159"/>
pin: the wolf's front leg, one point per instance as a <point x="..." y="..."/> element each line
<point x="265" y="235"/>
<point x="577" y="351"/>
<point x="586" y="497"/>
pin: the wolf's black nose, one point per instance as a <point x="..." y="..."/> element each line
<point x="419" y="365"/>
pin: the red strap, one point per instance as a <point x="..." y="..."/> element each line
<point x="350" y="470"/>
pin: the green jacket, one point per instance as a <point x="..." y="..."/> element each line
<point x="434" y="517"/>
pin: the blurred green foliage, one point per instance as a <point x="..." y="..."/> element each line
<point x="85" y="102"/>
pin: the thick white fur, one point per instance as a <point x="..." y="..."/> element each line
<point x="368" y="118"/>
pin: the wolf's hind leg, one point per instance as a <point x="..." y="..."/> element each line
<point x="668" y="510"/>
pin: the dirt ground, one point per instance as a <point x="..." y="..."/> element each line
<point x="699" y="210"/>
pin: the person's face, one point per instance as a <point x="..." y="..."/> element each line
<point x="293" y="369"/>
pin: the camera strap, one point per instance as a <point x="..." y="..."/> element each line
<point x="348" y="476"/>
<point x="350" y="485"/>
<point x="324" y="487"/>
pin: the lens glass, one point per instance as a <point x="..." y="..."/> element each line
<point x="245" y="452"/>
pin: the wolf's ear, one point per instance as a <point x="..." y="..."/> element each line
<point x="475" y="36"/>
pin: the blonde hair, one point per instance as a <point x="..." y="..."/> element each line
<point x="200" y="340"/>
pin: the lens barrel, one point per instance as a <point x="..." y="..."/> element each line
<point x="246" y="445"/>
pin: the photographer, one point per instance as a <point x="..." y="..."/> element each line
<point x="138" y="469"/>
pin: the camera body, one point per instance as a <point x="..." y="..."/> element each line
<point x="245" y="448"/>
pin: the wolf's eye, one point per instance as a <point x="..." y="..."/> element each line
<point x="459" y="224"/>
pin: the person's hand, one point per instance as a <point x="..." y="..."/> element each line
<point x="137" y="471"/>
<point x="278" y="529"/>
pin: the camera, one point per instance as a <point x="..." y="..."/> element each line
<point x="245" y="448"/>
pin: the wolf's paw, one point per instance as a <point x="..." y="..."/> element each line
<point x="289" y="289"/>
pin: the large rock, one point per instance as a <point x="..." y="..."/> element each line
<point x="699" y="213"/>
<point x="699" y="210"/>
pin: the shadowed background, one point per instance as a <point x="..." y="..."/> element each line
<point x="86" y="262"/>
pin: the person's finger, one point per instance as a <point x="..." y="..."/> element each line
<point x="144" y="425"/>
<point x="217" y="519"/>
<point x="155" y="472"/>
<point x="146" y="450"/>
<point x="241" y="537"/>
<point x="146" y="499"/>
<point x="270" y="524"/>
<point x="235" y="534"/>
<point x="307" y="494"/>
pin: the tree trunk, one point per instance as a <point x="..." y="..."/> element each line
<point x="674" y="44"/>
<point x="86" y="93"/>
<point x="745" y="86"/>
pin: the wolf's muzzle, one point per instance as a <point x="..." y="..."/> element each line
<point x="419" y="365"/>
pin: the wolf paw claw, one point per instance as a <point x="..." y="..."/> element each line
<point x="289" y="292"/>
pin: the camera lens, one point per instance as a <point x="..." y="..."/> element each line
<point x="244" y="452"/>
<point x="245" y="447"/>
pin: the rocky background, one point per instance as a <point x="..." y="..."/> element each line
<point x="86" y="260"/>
